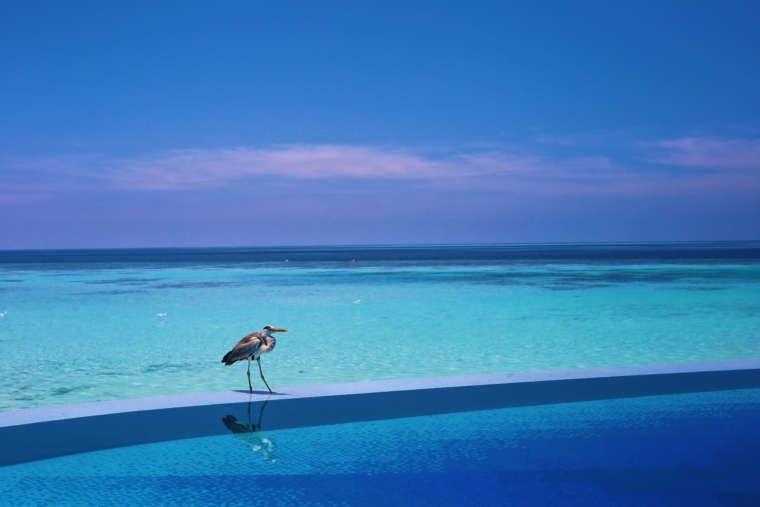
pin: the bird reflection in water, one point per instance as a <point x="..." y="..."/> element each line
<point x="251" y="435"/>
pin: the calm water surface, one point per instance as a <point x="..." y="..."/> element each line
<point x="700" y="449"/>
<point x="83" y="325"/>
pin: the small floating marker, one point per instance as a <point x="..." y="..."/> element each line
<point x="353" y="260"/>
<point x="286" y="260"/>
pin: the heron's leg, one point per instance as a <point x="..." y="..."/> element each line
<point x="258" y="360"/>
<point x="250" y="387"/>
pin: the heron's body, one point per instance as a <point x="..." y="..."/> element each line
<point x="251" y="348"/>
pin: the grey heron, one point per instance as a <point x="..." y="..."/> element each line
<point x="251" y="348"/>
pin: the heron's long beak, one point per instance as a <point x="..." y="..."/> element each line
<point x="279" y="330"/>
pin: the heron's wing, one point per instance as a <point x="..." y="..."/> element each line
<point x="244" y="348"/>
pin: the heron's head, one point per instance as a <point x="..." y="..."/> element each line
<point x="269" y="330"/>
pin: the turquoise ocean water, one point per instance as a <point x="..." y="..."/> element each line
<point x="84" y="326"/>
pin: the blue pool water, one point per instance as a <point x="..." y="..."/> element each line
<point x="83" y="325"/>
<point x="698" y="449"/>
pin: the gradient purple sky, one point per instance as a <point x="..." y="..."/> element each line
<point x="293" y="123"/>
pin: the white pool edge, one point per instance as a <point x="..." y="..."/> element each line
<point x="100" y="408"/>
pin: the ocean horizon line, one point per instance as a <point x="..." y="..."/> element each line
<point x="400" y="245"/>
<point x="739" y="250"/>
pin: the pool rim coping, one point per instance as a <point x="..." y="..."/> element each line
<point x="35" y="415"/>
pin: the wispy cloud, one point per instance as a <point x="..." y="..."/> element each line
<point x="179" y="170"/>
<point x="485" y="168"/>
<point x="191" y="169"/>
<point x="709" y="152"/>
<point x="490" y="168"/>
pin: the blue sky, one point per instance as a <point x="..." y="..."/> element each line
<point x="284" y="123"/>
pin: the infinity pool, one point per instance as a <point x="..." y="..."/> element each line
<point x="700" y="449"/>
